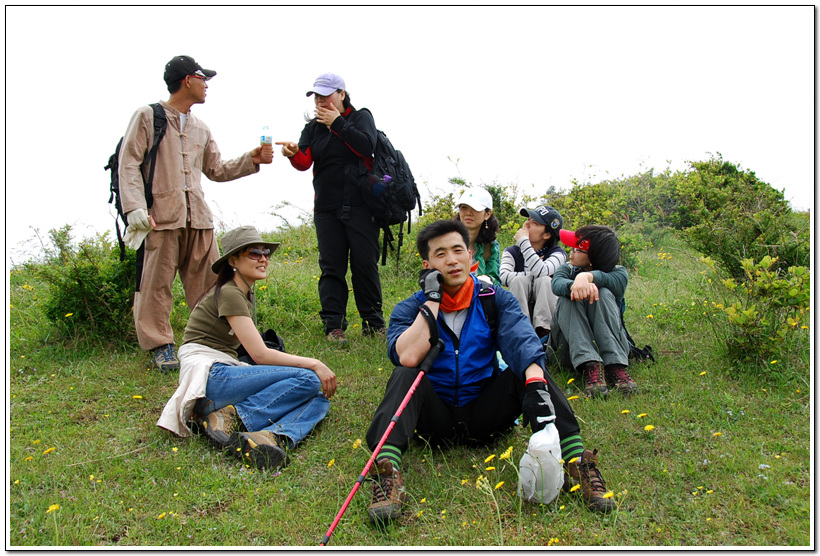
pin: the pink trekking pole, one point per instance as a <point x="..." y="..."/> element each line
<point x="423" y="368"/>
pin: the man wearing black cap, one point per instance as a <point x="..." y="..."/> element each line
<point x="527" y="267"/>
<point x="178" y="227"/>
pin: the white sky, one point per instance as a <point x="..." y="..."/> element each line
<point x="533" y="95"/>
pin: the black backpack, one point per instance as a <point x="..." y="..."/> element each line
<point x="160" y="125"/>
<point x="390" y="191"/>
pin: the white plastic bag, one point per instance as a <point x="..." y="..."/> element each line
<point x="540" y="473"/>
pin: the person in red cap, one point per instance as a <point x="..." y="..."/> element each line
<point x="176" y="231"/>
<point x="587" y="332"/>
<point x="335" y="143"/>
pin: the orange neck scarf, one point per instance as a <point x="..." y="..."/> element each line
<point x="461" y="300"/>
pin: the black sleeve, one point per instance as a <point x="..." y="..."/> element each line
<point x="357" y="130"/>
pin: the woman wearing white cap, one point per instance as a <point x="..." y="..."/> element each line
<point x="255" y="411"/>
<point x="337" y="143"/>
<point x="475" y="210"/>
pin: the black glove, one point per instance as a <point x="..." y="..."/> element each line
<point x="538" y="409"/>
<point x="430" y="281"/>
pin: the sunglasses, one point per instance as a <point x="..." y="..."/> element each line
<point x="256" y="254"/>
<point x="577" y="250"/>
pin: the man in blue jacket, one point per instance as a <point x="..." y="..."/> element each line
<point x="463" y="397"/>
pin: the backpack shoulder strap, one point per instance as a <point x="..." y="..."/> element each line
<point x="487" y="297"/>
<point x="160" y="125"/>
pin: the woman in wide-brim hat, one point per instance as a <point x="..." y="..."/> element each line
<point x="257" y="411"/>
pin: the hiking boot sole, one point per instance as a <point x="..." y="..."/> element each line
<point x="384" y="513"/>
<point x="263" y="456"/>
<point x="596" y="391"/>
<point x="601" y="505"/>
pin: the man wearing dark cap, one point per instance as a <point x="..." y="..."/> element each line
<point x="588" y="333"/>
<point x="527" y="267"/>
<point x="176" y="232"/>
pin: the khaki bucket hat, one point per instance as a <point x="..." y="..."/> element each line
<point x="237" y="239"/>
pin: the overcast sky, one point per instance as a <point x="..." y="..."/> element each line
<point x="529" y="95"/>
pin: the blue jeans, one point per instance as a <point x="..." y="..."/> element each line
<point x="284" y="400"/>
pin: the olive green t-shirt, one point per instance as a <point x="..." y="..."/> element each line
<point x="207" y="324"/>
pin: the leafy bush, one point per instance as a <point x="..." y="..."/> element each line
<point x="730" y="215"/>
<point x="90" y="290"/>
<point x="766" y="314"/>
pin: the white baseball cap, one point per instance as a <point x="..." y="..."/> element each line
<point x="477" y="198"/>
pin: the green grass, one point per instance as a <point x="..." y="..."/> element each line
<point x="727" y="463"/>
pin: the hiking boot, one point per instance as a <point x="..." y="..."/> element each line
<point x="388" y="492"/>
<point x="261" y="447"/>
<point x="593" y="487"/>
<point x="337" y="335"/>
<point x="619" y="377"/>
<point x="165" y="359"/>
<point x="595" y="385"/>
<point x="220" y="425"/>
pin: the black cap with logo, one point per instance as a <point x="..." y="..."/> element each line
<point x="180" y="66"/>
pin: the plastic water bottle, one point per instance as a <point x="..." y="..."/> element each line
<point x="540" y="473"/>
<point x="267" y="138"/>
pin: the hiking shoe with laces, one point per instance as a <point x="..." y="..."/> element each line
<point x="261" y="447"/>
<point x="593" y="487"/>
<point x="619" y="377"/>
<point x="594" y="383"/>
<point x="388" y="492"/>
<point x="220" y="425"/>
<point x="337" y="335"/>
<point x="165" y="359"/>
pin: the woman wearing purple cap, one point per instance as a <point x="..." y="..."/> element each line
<point x="338" y="142"/>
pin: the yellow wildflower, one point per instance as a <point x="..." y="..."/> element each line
<point x="331" y="462"/>
<point x="717" y="434"/>
<point x="570" y="381"/>
<point x="162" y="515"/>
<point x="489" y="458"/>
<point x="464" y="482"/>
<point x="175" y="449"/>
<point x="572" y="398"/>
<point x="609" y="494"/>
<point x="625" y="411"/>
<point x="357" y="443"/>
<point x="68" y="314"/>
<point x="498" y="485"/>
<point x="28" y="458"/>
<point x="507" y="453"/>
<point x="650" y="317"/>
<point x="49" y="450"/>
<point x="137" y="397"/>
<point x="423" y="500"/>
<point x="491" y="468"/>
<point x="35" y="441"/>
<point x="649" y="427"/>
<point x="703" y="373"/>
<point x="642" y="415"/>
<point x="574" y="488"/>
<point x="53" y="508"/>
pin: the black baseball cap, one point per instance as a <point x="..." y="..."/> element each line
<point x="180" y="66"/>
<point x="546" y="215"/>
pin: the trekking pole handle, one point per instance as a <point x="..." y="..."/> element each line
<point x="427" y="362"/>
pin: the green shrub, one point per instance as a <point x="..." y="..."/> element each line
<point x="765" y="316"/>
<point x="90" y="290"/>
<point x="730" y="215"/>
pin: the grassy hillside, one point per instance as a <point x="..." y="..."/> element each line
<point x="726" y="464"/>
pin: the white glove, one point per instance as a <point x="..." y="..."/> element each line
<point x="134" y="238"/>
<point x="138" y="220"/>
